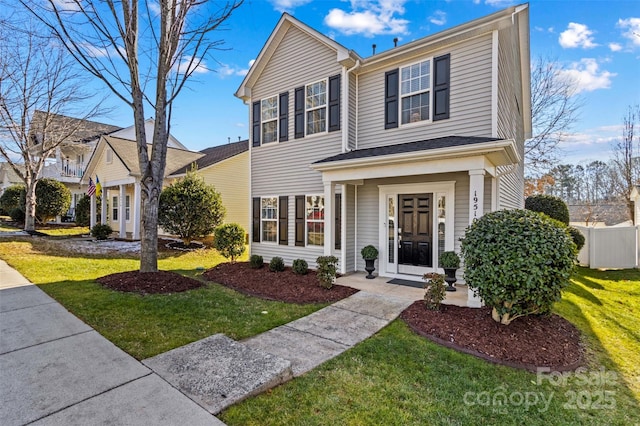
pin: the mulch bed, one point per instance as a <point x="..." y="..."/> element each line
<point x="527" y="343"/>
<point x="149" y="282"/>
<point x="284" y="286"/>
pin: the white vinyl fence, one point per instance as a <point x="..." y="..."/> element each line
<point x="611" y="247"/>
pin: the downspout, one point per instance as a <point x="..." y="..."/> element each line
<point x="345" y="104"/>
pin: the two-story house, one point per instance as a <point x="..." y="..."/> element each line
<point x="401" y="150"/>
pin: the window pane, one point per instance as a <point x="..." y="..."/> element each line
<point x="270" y="108"/>
<point x="269" y="208"/>
<point x="316" y="121"/>
<point x="269" y="230"/>
<point x="315" y="220"/>
<point x="269" y="131"/>
<point x="316" y="95"/>
<point x="415" y="108"/>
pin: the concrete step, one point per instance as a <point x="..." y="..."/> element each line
<point x="217" y="372"/>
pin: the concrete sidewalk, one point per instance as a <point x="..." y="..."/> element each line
<point x="56" y="370"/>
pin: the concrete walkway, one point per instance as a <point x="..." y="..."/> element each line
<point x="56" y="370"/>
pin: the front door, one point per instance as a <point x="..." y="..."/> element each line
<point x="415" y="230"/>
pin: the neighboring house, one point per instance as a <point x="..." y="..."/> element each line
<point x="401" y="150"/>
<point x="600" y="214"/>
<point x="8" y="177"/>
<point x="115" y="163"/>
<point x="226" y="167"/>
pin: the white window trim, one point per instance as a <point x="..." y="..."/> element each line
<point x="276" y="119"/>
<point x="109" y="156"/>
<point x="307" y="221"/>
<point x="276" y="220"/>
<point x="127" y="197"/>
<point x="401" y="96"/>
<point x="325" y="107"/>
<point x="115" y="208"/>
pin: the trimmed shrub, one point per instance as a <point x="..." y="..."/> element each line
<point x="327" y="270"/>
<point x="17" y="215"/>
<point x="550" y="205"/>
<point x="83" y="210"/>
<point x="229" y="240"/>
<point x="518" y="262"/>
<point x="449" y="259"/>
<point x="577" y="237"/>
<point x="53" y="198"/>
<point x="101" y="232"/>
<point x="300" y="267"/>
<point x="13" y="198"/>
<point x="189" y="208"/>
<point x="276" y="264"/>
<point x="435" y="291"/>
<point x="256" y="262"/>
<point x="369" y="252"/>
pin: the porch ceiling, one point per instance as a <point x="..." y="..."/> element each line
<point x="440" y="155"/>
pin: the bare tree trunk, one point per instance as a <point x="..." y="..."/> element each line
<point x="30" y="206"/>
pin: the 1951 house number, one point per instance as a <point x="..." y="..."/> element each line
<point x="475" y="204"/>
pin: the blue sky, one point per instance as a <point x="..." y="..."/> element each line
<point x="595" y="42"/>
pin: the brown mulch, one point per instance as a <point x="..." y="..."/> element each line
<point x="528" y="342"/>
<point x="284" y="286"/>
<point x="149" y="282"/>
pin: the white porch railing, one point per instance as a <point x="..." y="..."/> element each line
<point x="65" y="169"/>
<point x="611" y="247"/>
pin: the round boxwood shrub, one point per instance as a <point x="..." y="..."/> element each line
<point x="300" y="267"/>
<point x="13" y="198"/>
<point x="256" y="261"/>
<point x="17" y="215"/>
<point x="550" y="205"/>
<point x="101" y="231"/>
<point x="276" y="264"/>
<point x="229" y="240"/>
<point x="518" y="262"/>
<point x="576" y="235"/>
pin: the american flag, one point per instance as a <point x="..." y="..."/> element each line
<point x="92" y="188"/>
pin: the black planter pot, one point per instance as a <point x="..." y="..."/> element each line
<point x="450" y="278"/>
<point x="370" y="267"/>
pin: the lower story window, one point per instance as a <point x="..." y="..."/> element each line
<point x="114" y="215"/>
<point x="315" y="220"/>
<point x="269" y="219"/>
<point x="127" y="207"/>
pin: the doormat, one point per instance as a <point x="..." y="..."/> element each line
<point x="409" y="283"/>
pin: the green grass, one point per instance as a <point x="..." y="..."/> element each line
<point x="399" y="378"/>
<point x="63" y="231"/>
<point x="145" y="326"/>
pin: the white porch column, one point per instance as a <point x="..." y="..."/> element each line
<point x="476" y="210"/>
<point x="103" y="207"/>
<point x="136" y="211"/>
<point x="329" y="219"/>
<point x="92" y="212"/>
<point x="122" y="215"/>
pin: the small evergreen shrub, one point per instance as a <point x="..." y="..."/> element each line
<point x="17" y="215"/>
<point x="550" y="205"/>
<point x="576" y="235"/>
<point x="229" y="240"/>
<point x="518" y="262"/>
<point x="300" y="267"/>
<point x="449" y="259"/>
<point x="327" y="269"/>
<point x="53" y="199"/>
<point x="435" y="291"/>
<point x="101" y="232"/>
<point x="13" y="198"/>
<point x="276" y="264"/>
<point x="369" y="252"/>
<point x="256" y="261"/>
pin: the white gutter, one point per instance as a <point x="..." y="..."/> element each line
<point x="345" y="104"/>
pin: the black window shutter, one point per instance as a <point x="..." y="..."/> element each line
<point x="391" y="88"/>
<point x="441" y="66"/>
<point x="255" y="120"/>
<point x="334" y="103"/>
<point x="256" y="220"/>
<point x="300" y="220"/>
<point x="299" y="113"/>
<point x="338" y="222"/>
<point x="283" y="123"/>
<point x="283" y="220"/>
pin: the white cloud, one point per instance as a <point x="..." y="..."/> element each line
<point x="189" y="64"/>
<point x="632" y="27"/>
<point x="369" y="18"/>
<point x="154" y="7"/>
<point x="615" y="47"/>
<point x="66" y="5"/>
<point x="587" y="76"/>
<point x="287" y="5"/>
<point x="577" y="35"/>
<point x="500" y="3"/>
<point x="438" y="18"/>
<point x="230" y="70"/>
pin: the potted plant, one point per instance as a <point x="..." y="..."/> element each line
<point x="450" y="262"/>
<point x="369" y="254"/>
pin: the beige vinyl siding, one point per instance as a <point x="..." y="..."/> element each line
<point x="115" y="192"/>
<point x="231" y="179"/>
<point x="113" y="171"/>
<point x="368" y="222"/>
<point x="470" y="99"/>
<point x="510" y="122"/>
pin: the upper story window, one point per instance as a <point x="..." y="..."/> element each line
<point x="269" y="119"/>
<point x="269" y="219"/>
<point x="415" y="92"/>
<point x="109" y="156"/>
<point x="316" y="107"/>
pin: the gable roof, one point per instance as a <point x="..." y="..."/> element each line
<point x="82" y="130"/>
<point x="127" y="153"/>
<point x="214" y="155"/>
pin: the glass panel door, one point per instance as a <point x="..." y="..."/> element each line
<point x="392" y="233"/>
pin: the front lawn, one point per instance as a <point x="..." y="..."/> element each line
<point x="399" y="378"/>
<point x="145" y="326"/>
